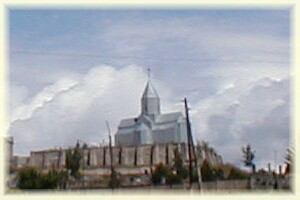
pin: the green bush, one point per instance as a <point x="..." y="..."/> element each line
<point x="31" y="178"/>
<point x="210" y="173"/>
<point x="172" y="178"/>
<point x="181" y="170"/>
<point x="207" y="171"/>
<point x="236" y="173"/>
<point x="114" y="181"/>
<point x="159" y="173"/>
<point x="73" y="159"/>
<point x="28" y="178"/>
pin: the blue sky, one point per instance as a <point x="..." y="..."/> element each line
<point x="70" y="67"/>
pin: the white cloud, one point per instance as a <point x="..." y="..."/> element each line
<point x="257" y="114"/>
<point x="194" y="37"/>
<point x="69" y="110"/>
<point x="25" y="111"/>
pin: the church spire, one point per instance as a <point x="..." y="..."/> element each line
<point x="150" y="100"/>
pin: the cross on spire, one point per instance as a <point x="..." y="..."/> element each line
<point x="149" y="73"/>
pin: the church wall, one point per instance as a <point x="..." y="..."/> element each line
<point x="143" y="155"/>
<point x="116" y="158"/>
<point x="47" y="159"/>
<point x="122" y="170"/>
<point x="170" y="153"/>
<point x="107" y="157"/>
<point x="156" y="159"/>
<point x="182" y="129"/>
<point x="127" y="139"/>
<point x="164" y="135"/>
<point x="161" y="154"/>
<point x="97" y="157"/>
<point x="183" y="151"/>
<point x="131" y="156"/>
<point x="128" y="156"/>
<point x="93" y="157"/>
<point x="139" y="156"/>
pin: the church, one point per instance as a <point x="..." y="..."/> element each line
<point x="141" y="143"/>
<point x="151" y="126"/>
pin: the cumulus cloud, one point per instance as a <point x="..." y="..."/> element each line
<point x="22" y="112"/>
<point x="77" y="109"/>
<point x="257" y="115"/>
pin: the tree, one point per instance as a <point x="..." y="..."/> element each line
<point x="159" y="173"/>
<point x="205" y="145"/>
<point x="218" y="173"/>
<point x="207" y="171"/>
<point x="178" y="171"/>
<point x="115" y="181"/>
<point x="73" y="159"/>
<point x="248" y="157"/>
<point x="178" y="166"/>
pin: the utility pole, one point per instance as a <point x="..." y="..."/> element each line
<point x="275" y="161"/>
<point x="191" y="150"/>
<point x="189" y="143"/>
<point x="111" y="158"/>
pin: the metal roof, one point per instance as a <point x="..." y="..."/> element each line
<point x="169" y="117"/>
<point x="127" y="122"/>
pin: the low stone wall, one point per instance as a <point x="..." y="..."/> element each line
<point x="121" y="170"/>
<point x="131" y="156"/>
<point x="226" y="185"/>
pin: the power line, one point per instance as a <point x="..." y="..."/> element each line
<point x="142" y="57"/>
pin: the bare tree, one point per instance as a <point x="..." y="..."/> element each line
<point x="248" y="157"/>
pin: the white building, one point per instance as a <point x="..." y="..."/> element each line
<point x="151" y="126"/>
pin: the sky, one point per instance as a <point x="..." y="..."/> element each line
<point x="71" y="70"/>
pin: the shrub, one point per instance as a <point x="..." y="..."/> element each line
<point x="181" y="170"/>
<point x="207" y="171"/>
<point x="28" y="178"/>
<point x="31" y="178"/>
<point x="172" y="178"/>
<point x="114" y="181"/>
<point x="236" y="173"/>
<point x="159" y="173"/>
